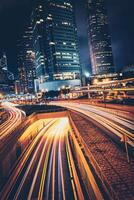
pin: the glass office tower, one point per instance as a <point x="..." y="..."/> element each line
<point x="99" y="38"/>
<point x="55" y="44"/>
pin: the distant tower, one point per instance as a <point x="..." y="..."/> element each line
<point x="99" y="38"/>
<point x="4" y="75"/>
<point x="26" y="61"/>
<point x="3" y="62"/>
<point x="55" y="44"/>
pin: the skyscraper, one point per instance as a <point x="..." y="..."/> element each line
<point x="26" y="61"/>
<point x="6" y="77"/>
<point x="3" y="62"/>
<point x="3" y="74"/>
<point x="55" y="44"/>
<point x="99" y="38"/>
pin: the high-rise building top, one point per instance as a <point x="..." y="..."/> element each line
<point x="55" y="43"/>
<point x="99" y="38"/>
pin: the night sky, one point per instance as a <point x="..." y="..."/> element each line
<point x="14" y="14"/>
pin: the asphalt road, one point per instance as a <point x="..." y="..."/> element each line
<point x="47" y="169"/>
<point x="117" y="125"/>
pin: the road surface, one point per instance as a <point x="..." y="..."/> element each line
<point x="46" y="169"/>
<point x="113" y="123"/>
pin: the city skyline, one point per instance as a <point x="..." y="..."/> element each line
<point x="120" y="26"/>
<point x="66" y="132"/>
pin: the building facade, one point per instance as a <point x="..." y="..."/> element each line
<point x="99" y="38"/>
<point x="26" y="61"/>
<point x="55" y="44"/>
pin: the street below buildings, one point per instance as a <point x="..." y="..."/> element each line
<point x="85" y="153"/>
<point x="117" y="125"/>
<point x="46" y="169"/>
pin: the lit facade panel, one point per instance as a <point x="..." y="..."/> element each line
<point x="99" y="38"/>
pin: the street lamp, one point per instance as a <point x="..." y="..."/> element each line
<point x="87" y="74"/>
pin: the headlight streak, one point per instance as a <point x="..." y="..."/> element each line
<point x="113" y="123"/>
<point x="40" y="173"/>
<point x="15" y="118"/>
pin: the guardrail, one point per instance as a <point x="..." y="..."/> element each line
<point x="82" y="150"/>
<point x="109" y="190"/>
<point x="128" y="140"/>
<point x="77" y="190"/>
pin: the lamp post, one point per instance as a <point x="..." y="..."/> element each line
<point x="88" y="92"/>
<point x="104" y="97"/>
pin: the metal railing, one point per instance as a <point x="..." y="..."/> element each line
<point x="109" y="190"/>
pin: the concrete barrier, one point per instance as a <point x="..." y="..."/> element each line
<point x="76" y="135"/>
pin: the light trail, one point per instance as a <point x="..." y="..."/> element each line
<point x="15" y="118"/>
<point x="117" y="125"/>
<point x="38" y="167"/>
<point x="30" y="166"/>
<point x="76" y="183"/>
<point x="14" y="177"/>
<point x="60" y="169"/>
<point x="47" y="169"/>
<point x="53" y="170"/>
<point x="43" y="177"/>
